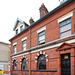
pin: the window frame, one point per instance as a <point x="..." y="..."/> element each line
<point x="14" y="62"/>
<point x="25" y="64"/>
<point x="16" y="31"/>
<point x="38" y="68"/>
<point x="23" y="44"/>
<point x="63" y="26"/>
<point x="40" y="36"/>
<point x="14" y="49"/>
<point x="21" y="28"/>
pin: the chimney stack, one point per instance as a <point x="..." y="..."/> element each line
<point x="43" y="10"/>
<point x="31" y="21"/>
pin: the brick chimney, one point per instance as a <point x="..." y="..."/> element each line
<point x="31" y="21"/>
<point x="43" y="10"/>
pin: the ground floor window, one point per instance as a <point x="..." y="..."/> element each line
<point x="24" y="65"/>
<point x="14" y="65"/>
<point x="41" y="64"/>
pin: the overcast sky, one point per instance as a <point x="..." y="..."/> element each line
<point x="10" y="10"/>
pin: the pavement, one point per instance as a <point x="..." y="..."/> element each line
<point x="4" y="74"/>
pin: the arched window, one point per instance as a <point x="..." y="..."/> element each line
<point x="14" y="65"/>
<point x="24" y="65"/>
<point x="41" y="62"/>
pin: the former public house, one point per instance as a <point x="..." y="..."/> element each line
<point x="46" y="46"/>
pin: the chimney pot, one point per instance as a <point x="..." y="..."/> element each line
<point x="43" y="10"/>
<point x="31" y="21"/>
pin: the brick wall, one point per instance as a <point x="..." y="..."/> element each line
<point x="51" y="34"/>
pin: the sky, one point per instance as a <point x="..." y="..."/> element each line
<point x="10" y="10"/>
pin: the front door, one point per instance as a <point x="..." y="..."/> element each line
<point x="65" y="64"/>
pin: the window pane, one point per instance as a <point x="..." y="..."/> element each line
<point x="24" y="64"/>
<point x="42" y="41"/>
<point x="24" y="45"/>
<point x="15" y="49"/>
<point x="17" y="31"/>
<point x="42" y="33"/>
<point x="68" y="33"/>
<point x="65" y="22"/>
<point x="41" y="62"/>
<point x="14" y="65"/>
<point x="21" y="28"/>
<point x="41" y="37"/>
<point x="24" y="48"/>
<point x="65" y="28"/>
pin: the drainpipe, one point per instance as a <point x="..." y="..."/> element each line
<point x="11" y="58"/>
<point x="74" y="20"/>
<point x="29" y="64"/>
<point x="30" y="56"/>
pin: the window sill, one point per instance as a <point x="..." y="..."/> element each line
<point x="20" y="70"/>
<point x="44" y="70"/>
<point x="38" y="70"/>
<point x="41" y="43"/>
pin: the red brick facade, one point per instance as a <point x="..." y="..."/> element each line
<point x="53" y="48"/>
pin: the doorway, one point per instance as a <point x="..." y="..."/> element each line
<point x="65" y="64"/>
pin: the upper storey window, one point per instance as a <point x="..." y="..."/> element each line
<point x="21" y="28"/>
<point x="65" y="25"/>
<point x="14" y="48"/>
<point x="65" y="28"/>
<point x="24" y="45"/>
<point x="41" y="37"/>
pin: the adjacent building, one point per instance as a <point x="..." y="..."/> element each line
<point x="4" y="56"/>
<point x="46" y="46"/>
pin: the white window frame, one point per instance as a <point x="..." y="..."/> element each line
<point x="14" y="44"/>
<point x="70" y="14"/>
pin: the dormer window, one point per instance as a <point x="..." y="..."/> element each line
<point x="17" y="31"/>
<point x="21" y="28"/>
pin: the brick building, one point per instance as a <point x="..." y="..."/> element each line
<point x="47" y="46"/>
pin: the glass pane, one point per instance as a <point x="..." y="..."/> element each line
<point x="24" y="45"/>
<point x="42" y="62"/>
<point x="42" y="57"/>
<point x="65" y="22"/>
<point x="21" y="28"/>
<point x="14" y="65"/>
<point x="24" y="64"/>
<point x="65" y="28"/>
<point x="42" y="65"/>
<point x="24" y="41"/>
<point x="41" y="37"/>
<point x="24" y="48"/>
<point x="68" y="33"/>
<point x="42" y="33"/>
<point x="14" y="49"/>
<point x="16" y="31"/>
<point x="42" y="41"/>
